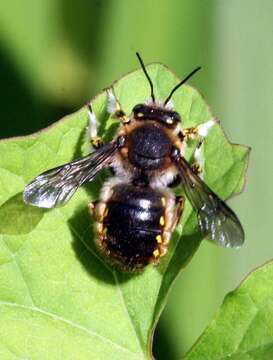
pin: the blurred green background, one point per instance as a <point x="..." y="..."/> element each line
<point x="57" y="54"/>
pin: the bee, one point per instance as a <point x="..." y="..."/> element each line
<point x="137" y="211"/>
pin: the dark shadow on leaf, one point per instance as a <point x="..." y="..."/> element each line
<point x="81" y="226"/>
<point x="181" y="249"/>
<point x="17" y="218"/>
<point x="181" y="255"/>
<point x="102" y="119"/>
<point x="111" y="132"/>
<point x="78" y="151"/>
<point x="162" y="343"/>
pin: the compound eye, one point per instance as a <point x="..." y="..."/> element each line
<point x="172" y="118"/>
<point x="176" y="117"/>
<point x="139" y="110"/>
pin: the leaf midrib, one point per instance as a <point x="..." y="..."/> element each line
<point x="113" y="273"/>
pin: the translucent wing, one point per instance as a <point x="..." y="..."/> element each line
<point x="216" y="220"/>
<point x="56" y="186"/>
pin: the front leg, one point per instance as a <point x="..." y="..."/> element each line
<point x="199" y="132"/>
<point x="96" y="141"/>
<point x="114" y="108"/>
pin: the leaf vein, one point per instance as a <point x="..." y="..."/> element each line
<point x="13" y="256"/>
<point x="68" y="322"/>
<point x="115" y="279"/>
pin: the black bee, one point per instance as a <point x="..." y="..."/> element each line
<point x="137" y="211"/>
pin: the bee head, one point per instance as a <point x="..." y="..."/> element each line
<point x="153" y="112"/>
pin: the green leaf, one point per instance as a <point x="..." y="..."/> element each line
<point x="58" y="298"/>
<point x="243" y="326"/>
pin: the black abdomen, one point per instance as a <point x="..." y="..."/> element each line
<point x="131" y="225"/>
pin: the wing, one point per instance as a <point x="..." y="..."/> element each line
<point x="216" y="220"/>
<point x="56" y="186"/>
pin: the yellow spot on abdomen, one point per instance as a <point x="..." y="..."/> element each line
<point x="162" y="221"/>
<point x="156" y="253"/>
<point x="159" y="239"/>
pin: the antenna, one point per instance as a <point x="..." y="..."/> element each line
<point x="147" y="76"/>
<point x="181" y="83"/>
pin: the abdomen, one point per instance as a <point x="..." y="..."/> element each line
<point x="132" y="225"/>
